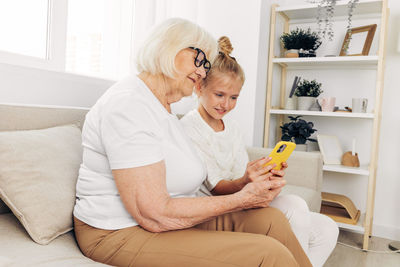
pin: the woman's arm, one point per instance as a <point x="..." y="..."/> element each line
<point x="144" y="193"/>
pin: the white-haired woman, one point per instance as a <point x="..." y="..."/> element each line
<point x="136" y="201"/>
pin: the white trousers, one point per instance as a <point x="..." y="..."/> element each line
<point x="316" y="232"/>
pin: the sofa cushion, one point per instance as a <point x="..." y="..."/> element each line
<point x="38" y="174"/>
<point x="5" y="262"/>
<point x="20" y="250"/>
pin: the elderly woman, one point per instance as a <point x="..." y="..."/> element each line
<point x="136" y="201"/>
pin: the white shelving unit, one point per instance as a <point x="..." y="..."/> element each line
<point x="371" y="61"/>
<point x="295" y="13"/>
<point x="362" y="170"/>
<point x="322" y="113"/>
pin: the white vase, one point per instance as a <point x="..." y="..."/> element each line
<point x="291" y="103"/>
<point x="301" y="147"/>
<point x="305" y="102"/>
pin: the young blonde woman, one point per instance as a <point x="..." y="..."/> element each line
<point x="220" y="145"/>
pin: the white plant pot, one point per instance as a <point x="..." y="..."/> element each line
<point x="301" y="147"/>
<point x="291" y="103"/>
<point x="305" y="102"/>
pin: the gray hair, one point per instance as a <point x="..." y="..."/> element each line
<point x="157" y="53"/>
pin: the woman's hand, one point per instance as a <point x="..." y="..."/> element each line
<point x="273" y="178"/>
<point x="279" y="174"/>
<point x="259" y="194"/>
<point x="258" y="170"/>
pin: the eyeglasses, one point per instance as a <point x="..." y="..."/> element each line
<point x="201" y="59"/>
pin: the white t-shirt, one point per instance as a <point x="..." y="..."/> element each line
<point x="128" y="127"/>
<point x="224" y="152"/>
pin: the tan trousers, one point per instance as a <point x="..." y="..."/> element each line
<point x="256" y="237"/>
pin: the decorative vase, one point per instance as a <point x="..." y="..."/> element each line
<point x="292" y="53"/>
<point x="301" y="147"/>
<point x="291" y="103"/>
<point x="315" y="106"/>
<point x="305" y="102"/>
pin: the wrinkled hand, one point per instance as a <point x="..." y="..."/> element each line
<point x="259" y="194"/>
<point x="279" y="174"/>
<point x="257" y="170"/>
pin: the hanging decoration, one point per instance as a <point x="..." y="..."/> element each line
<point x="325" y="12"/>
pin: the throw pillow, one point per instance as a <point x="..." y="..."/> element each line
<point x="38" y="173"/>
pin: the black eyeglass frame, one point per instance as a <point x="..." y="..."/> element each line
<point x="198" y="63"/>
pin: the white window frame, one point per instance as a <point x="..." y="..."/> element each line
<point x="56" y="41"/>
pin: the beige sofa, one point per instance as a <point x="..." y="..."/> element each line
<point x="17" y="248"/>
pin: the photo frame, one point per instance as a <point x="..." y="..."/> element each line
<point x="330" y="148"/>
<point x="358" y="43"/>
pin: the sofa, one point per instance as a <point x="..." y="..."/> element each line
<point x="38" y="171"/>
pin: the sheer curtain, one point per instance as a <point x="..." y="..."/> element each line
<point x="148" y="13"/>
<point x="105" y="45"/>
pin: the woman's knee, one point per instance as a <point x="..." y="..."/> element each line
<point x="274" y="253"/>
<point x="278" y="220"/>
<point x="262" y="221"/>
<point x="294" y="202"/>
<point x="291" y="205"/>
<point x="326" y="227"/>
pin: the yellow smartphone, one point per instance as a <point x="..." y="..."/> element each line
<point x="281" y="153"/>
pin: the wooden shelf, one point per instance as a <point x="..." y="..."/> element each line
<point x="308" y="11"/>
<point x="362" y="170"/>
<point x="307" y="62"/>
<point x="322" y="113"/>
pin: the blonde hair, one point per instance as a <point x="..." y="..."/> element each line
<point x="224" y="63"/>
<point x="158" y="52"/>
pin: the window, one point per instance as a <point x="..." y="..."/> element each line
<point x="99" y="37"/>
<point x="23" y="27"/>
<point x="32" y="33"/>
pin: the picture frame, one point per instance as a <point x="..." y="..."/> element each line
<point x="330" y="148"/>
<point x="358" y="43"/>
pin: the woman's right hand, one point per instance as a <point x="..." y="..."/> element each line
<point x="259" y="194"/>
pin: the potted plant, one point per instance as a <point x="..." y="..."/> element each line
<point x="298" y="131"/>
<point x="307" y="92"/>
<point x="300" y="43"/>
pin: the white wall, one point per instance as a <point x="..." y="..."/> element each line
<point x="41" y="87"/>
<point x="247" y="24"/>
<point x="387" y="217"/>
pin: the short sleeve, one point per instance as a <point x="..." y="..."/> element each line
<point x="130" y="133"/>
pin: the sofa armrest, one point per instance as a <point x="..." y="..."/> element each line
<point x="305" y="168"/>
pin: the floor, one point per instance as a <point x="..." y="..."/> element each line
<point x="344" y="256"/>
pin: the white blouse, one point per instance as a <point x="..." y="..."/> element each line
<point x="224" y="153"/>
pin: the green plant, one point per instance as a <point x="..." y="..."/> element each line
<point x="308" y="88"/>
<point x="298" y="130"/>
<point x="301" y="39"/>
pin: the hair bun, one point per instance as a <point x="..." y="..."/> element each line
<point x="224" y="45"/>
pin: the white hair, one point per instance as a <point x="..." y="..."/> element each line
<point x="158" y="52"/>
